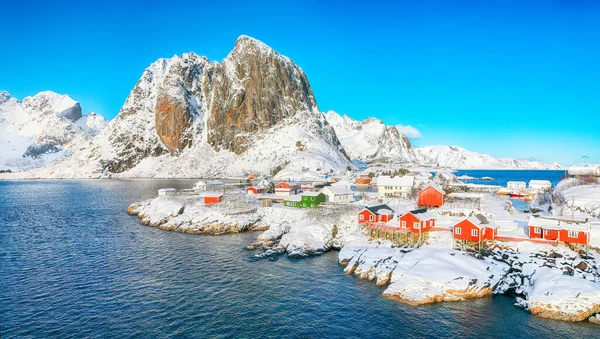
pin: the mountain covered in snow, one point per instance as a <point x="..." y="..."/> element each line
<point x="371" y="141"/>
<point x="254" y="112"/>
<point x="41" y="129"/>
<point x="460" y="158"/>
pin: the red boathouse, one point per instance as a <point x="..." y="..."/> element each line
<point x="377" y="213"/>
<point x="431" y="196"/>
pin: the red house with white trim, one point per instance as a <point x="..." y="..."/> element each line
<point x="377" y="213"/>
<point x="561" y="229"/>
<point x="417" y="221"/>
<point x="431" y="196"/>
<point x="255" y="190"/>
<point x="476" y="228"/>
<point x="286" y="188"/>
<point x="213" y="198"/>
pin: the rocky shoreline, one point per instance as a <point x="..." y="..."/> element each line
<point x="548" y="282"/>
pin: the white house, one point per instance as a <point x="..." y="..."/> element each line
<point x="338" y="193"/>
<point x="266" y="183"/>
<point x="209" y="185"/>
<point x="167" y="191"/>
<point x="516" y="185"/>
<point x="396" y="186"/>
<point x="540" y="185"/>
<point x="587" y="170"/>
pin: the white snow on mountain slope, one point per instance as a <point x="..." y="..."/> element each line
<point x="42" y="129"/>
<point x="188" y="117"/>
<point x="371" y="140"/>
<point x="460" y="158"/>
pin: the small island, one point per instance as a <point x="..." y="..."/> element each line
<point x="425" y="243"/>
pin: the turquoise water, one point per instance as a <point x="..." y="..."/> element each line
<point x="73" y="264"/>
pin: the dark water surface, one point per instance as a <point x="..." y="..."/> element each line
<point x="73" y="264"/>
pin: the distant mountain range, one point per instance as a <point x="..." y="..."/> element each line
<point x="254" y="112"/>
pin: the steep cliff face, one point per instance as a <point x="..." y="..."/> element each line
<point x="371" y="141"/>
<point x="41" y="129"/>
<point x="254" y="89"/>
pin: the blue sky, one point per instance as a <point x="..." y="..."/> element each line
<point x="507" y="78"/>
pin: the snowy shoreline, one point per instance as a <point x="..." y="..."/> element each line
<point x="550" y="282"/>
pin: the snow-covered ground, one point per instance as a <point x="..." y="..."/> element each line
<point x="555" y="282"/>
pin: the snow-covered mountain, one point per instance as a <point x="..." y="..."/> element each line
<point x="371" y="141"/>
<point x="188" y="117"/>
<point x="460" y="158"/>
<point x="42" y="129"/>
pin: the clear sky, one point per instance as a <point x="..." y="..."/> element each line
<point x="507" y="78"/>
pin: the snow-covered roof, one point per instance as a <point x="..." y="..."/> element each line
<point x="385" y="211"/>
<point x="212" y="194"/>
<point x="405" y="181"/>
<point x="377" y="208"/>
<point x="481" y="221"/>
<point x="167" y="190"/>
<point x="338" y="190"/>
<point x="558" y="223"/>
<point x="293" y="198"/>
<point x="540" y="183"/>
<point x="584" y="170"/>
<point x="209" y="182"/>
<point x="311" y="194"/>
<point x="435" y="187"/>
<point x="422" y="214"/>
<point x="256" y="188"/>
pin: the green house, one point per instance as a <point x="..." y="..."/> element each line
<point x="293" y="201"/>
<point x="312" y="199"/>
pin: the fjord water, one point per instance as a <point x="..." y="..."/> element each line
<point x="73" y="264"/>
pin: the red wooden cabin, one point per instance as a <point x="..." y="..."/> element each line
<point x="211" y="199"/>
<point x="431" y="196"/>
<point x="417" y="221"/>
<point x="378" y="213"/>
<point x="287" y="188"/>
<point x="255" y="190"/>
<point x="477" y="229"/>
<point x="563" y="230"/>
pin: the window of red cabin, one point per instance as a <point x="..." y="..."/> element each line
<point x="572" y="234"/>
<point x="403" y="224"/>
<point x="537" y="230"/>
<point x="416" y="225"/>
<point x="457" y="230"/>
<point x="474" y="233"/>
<point x="361" y="217"/>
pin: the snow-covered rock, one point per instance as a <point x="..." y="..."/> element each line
<point x="42" y="129"/>
<point x="371" y="140"/>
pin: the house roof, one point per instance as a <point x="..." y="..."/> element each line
<point x="295" y="198"/>
<point x="255" y="187"/>
<point x="291" y="183"/>
<point x="311" y="194"/>
<point x="380" y="209"/>
<point x="435" y="187"/>
<point x="421" y="214"/>
<point x="558" y="223"/>
<point x="515" y="182"/>
<point x="168" y="190"/>
<point x="213" y="194"/>
<point x="405" y="181"/>
<point x="209" y="182"/>
<point x="540" y="182"/>
<point x="339" y="190"/>
<point x="480" y="221"/>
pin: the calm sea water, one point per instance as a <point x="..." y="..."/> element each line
<point x="73" y="264"/>
<point x="502" y="176"/>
